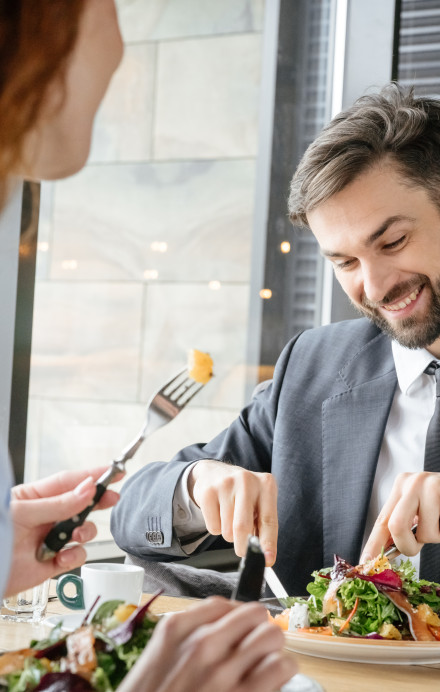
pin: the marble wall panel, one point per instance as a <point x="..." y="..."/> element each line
<point x="123" y="127"/>
<point x="83" y="434"/>
<point x="107" y="218"/>
<point x="207" y="97"/>
<point x="180" y="317"/>
<point x="86" y="340"/>
<point x="163" y="19"/>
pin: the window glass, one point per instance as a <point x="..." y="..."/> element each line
<point x="147" y="252"/>
<point x="419" y="42"/>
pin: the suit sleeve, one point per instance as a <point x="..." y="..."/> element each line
<point x="142" y="521"/>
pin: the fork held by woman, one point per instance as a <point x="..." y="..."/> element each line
<point x="163" y="406"/>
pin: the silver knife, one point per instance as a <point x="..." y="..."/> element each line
<point x="275" y="585"/>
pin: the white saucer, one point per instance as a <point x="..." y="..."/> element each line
<point x="70" y="621"/>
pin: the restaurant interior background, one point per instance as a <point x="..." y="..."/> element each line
<point x="175" y="235"/>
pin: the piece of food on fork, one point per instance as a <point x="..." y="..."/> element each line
<point x="200" y="366"/>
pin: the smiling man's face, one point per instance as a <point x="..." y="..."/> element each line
<point x="382" y="235"/>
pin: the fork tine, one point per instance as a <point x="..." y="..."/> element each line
<point x="181" y="389"/>
<point x="184" y="400"/>
<point x="167" y="386"/>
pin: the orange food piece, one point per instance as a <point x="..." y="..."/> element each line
<point x="282" y="620"/>
<point x="200" y="366"/>
<point x="14" y="660"/>
<point x="123" y="611"/>
<point x="435" y="631"/>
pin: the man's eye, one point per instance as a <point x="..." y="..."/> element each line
<point x="394" y="244"/>
<point x="346" y="264"/>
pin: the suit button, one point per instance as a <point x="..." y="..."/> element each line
<point x="155" y="537"/>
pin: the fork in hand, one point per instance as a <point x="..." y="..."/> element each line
<point x="162" y="407"/>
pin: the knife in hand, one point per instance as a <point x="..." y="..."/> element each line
<point x="251" y="573"/>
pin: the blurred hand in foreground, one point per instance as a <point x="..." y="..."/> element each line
<point x="216" y="646"/>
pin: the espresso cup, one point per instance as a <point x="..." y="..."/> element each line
<point x="106" y="581"/>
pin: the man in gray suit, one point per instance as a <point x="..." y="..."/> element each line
<point x="337" y="440"/>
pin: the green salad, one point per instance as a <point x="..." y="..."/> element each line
<point x="96" y="656"/>
<point x="375" y="600"/>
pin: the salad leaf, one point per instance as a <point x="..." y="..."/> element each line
<point x="124" y="632"/>
<point x="388" y="579"/>
<point x="105" y="611"/>
<point x="100" y="681"/>
<point x="27" y="678"/>
<point x="52" y="665"/>
<point x="374" y="608"/>
<point x="63" y="682"/>
<point x="367" y="586"/>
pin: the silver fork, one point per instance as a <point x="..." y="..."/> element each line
<point x="162" y="407"/>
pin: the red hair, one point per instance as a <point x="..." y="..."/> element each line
<point x="36" y="39"/>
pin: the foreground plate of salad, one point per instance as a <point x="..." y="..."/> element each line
<point x="95" y="656"/>
<point x="374" y="613"/>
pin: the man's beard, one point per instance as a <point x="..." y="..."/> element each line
<point x="411" y="332"/>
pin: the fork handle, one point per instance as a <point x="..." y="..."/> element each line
<point x="61" y="533"/>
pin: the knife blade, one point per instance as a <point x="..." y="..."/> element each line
<point x="251" y="573"/>
<point x="275" y="585"/>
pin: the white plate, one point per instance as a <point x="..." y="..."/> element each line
<point x="365" y="650"/>
<point x="70" y="622"/>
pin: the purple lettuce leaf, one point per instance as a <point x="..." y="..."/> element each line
<point x="63" y="682"/>
<point x="124" y="632"/>
<point x="386" y="580"/>
<point x="54" y="651"/>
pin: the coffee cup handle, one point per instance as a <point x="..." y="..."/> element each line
<point x="73" y="602"/>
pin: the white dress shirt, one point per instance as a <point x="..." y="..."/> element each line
<point x="403" y="445"/>
<point x="187" y="516"/>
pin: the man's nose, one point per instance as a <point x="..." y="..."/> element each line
<point x="378" y="279"/>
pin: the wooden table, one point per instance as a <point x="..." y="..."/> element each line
<point x="334" y="676"/>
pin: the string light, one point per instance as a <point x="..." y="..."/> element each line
<point x="215" y="285"/>
<point x="151" y="274"/>
<point x="69" y="264"/>
<point x="285" y="247"/>
<point x="265" y="293"/>
<point x="159" y="246"/>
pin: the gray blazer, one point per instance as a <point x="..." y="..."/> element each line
<point x="318" y="428"/>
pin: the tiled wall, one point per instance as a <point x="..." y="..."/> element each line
<point x="146" y="253"/>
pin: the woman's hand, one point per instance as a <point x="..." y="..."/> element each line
<point x="35" y="507"/>
<point x="217" y="646"/>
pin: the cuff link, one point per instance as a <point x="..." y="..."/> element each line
<point x="154" y="537"/>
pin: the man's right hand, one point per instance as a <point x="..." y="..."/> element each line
<point x="237" y="503"/>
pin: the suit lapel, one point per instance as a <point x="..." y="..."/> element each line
<point x="354" y="420"/>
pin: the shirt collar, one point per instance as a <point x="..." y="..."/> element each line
<point x="410" y="364"/>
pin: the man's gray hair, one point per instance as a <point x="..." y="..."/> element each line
<point x="392" y="125"/>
